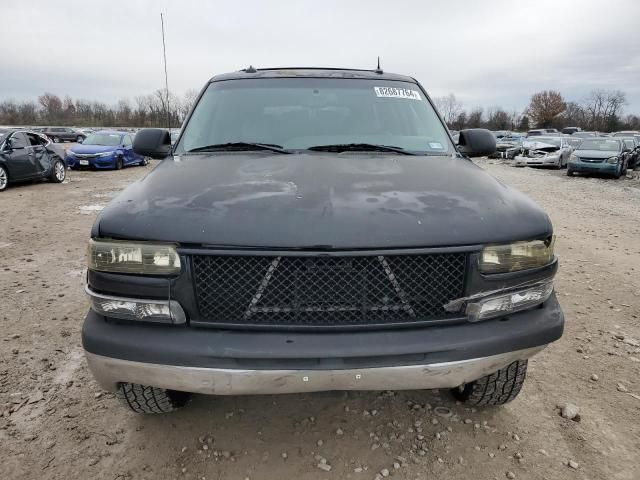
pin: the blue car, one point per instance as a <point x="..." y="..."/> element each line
<point x="105" y="149"/>
<point x="606" y="156"/>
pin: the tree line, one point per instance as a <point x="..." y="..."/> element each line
<point x="601" y="110"/>
<point x="158" y="109"/>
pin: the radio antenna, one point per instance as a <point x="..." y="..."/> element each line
<point x="166" y="77"/>
<point x="378" y="69"/>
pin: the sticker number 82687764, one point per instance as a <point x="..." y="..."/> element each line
<point x="393" y="92"/>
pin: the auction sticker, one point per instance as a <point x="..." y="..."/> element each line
<point x="393" y="92"/>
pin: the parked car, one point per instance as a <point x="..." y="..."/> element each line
<point x="584" y="134"/>
<point x="626" y="133"/>
<point x="509" y="146"/>
<point x="599" y="155"/>
<point x="570" y="130"/>
<point x="317" y="230"/>
<point x="631" y="146"/>
<point x="64" y="134"/>
<point x="574" y="141"/>
<point x="105" y="149"/>
<point x="545" y="151"/>
<point x="536" y="132"/>
<point x="501" y="133"/>
<point x="26" y="156"/>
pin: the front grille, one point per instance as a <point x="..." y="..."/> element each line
<point x="322" y="291"/>
<point x="592" y="160"/>
<point x="85" y="156"/>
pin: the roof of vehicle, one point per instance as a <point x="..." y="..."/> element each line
<point x="112" y="132"/>
<point x="312" y="72"/>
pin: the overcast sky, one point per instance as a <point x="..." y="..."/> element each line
<point x="489" y="52"/>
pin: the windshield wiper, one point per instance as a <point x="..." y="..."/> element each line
<point x="239" y="146"/>
<point x="359" y="147"/>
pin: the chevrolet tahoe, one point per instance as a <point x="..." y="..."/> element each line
<point x="312" y="230"/>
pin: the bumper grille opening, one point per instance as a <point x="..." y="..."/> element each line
<point x="321" y="291"/>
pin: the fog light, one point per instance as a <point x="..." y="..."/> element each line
<point x="497" y="305"/>
<point x="159" y="311"/>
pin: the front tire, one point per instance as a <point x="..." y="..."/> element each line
<point x="496" y="389"/>
<point x="144" y="162"/>
<point x="79" y="139"/>
<point x="119" y="163"/>
<point x="569" y="172"/>
<point x="143" y="399"/>
<point x="55" y="140"/>
<point x="4" y="178"/>
<point x="618" y="173"/>
<point x="58" y="172"/>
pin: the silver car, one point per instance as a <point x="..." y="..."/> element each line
<point x="544" y="151"/>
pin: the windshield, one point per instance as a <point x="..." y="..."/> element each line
<point x="600" y="144"/>
<point x="104" y="139"/>
<point x="555" y="141"/>
<point x="300" y="113"/>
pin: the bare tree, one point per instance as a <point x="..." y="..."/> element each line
<point x="449" y="107"/>
<point x="187" y="101"/>
<point x="460" y="122"/>
<point x="498" y="119"/>
<point x="545" y="107"/>
<point x="51" y="106"/>
<point x="603" y="108"/>
<point x="476" y="118"/>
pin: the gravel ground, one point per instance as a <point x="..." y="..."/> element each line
<point x="56" y="423"/>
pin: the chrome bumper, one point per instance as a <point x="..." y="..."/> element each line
<point x="109" y="372"/>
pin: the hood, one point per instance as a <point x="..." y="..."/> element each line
<point x="540" y="146"/>
<point x="88" y="149"/>
<point x="319" y="200"/>
<point x="596" y="153"/>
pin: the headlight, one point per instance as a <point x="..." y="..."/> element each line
<point x="612" y="160"/>
<point x="106" y="154"/>
<point x="71" y="152"/>
<point x="517" y="256"/>
<point x="573" y="158"/>
<point x="516" y="301"/>
<point x="161" y="311"/>
<point x="135" y="258"/>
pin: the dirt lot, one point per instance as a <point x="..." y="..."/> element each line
<point x="56" y="423"/>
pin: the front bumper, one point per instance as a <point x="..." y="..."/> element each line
<point x="109" y="372"/>
<point x="592" y="167"/>
<point x="537" y="162"/>
<point x="226" y="362"/>
<point x="98" y="162"/>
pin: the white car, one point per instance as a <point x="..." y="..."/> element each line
<point x="547" y="151"/>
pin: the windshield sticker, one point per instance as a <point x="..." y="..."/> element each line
<point x="435" y="146"/>
<point x="392" y="92"/>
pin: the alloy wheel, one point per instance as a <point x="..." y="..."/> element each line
<point x="59" y="171"/>
<point x="4" y="180"/>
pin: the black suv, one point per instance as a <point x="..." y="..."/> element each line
<point x="63" y="134"/>
<point x="317" y="229"/>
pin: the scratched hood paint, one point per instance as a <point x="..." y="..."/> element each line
<point x="350" y="200"/>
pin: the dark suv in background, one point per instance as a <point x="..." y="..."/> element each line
<point x="317" y="229"/>
<point x="63" y="134"/>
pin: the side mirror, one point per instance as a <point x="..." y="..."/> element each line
<point x="152" y="142"/>
<point x="476" y="142"/>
